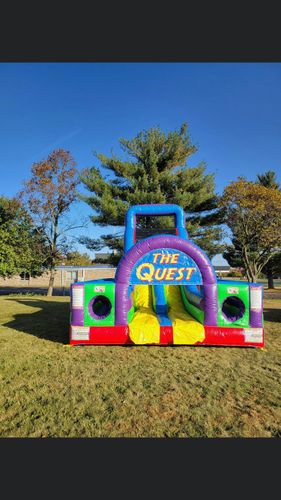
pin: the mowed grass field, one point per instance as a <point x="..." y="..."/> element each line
<point x="48" y="389"/>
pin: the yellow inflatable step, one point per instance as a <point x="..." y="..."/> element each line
<point x="186" y="329"/>
<point x="144" y="327"/>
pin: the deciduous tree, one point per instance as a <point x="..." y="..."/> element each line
<point x="273" y="266"/>
<point x="22" y="247"/>
<point x="253" y="213"/>
<point x="48" y="195"/>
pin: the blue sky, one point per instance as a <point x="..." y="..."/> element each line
<point x="233" y="111"/>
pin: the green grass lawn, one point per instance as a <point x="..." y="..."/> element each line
<point x="50" y="389"/>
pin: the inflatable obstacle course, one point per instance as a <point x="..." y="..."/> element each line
<point x="165" y="291"/>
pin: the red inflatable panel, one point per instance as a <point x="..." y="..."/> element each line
<point x="166" y="335"/>
<point x="103" y="335"/>
<point x="218" y="335"/>
<point x="214" y="335"/>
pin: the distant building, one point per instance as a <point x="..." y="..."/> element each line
<point x="222" y="270"/>
<point x="65" y="275"/>
<point x="226" y="270"/>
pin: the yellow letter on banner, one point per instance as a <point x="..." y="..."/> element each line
<point x="147" y="276"/>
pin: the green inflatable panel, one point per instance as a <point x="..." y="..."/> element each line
<point x="233" y="304"/>
<point x="99" y="304"/>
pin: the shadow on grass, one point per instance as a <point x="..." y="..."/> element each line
<point x="51" y="322"/>
<point x="272" y="315"/>
<point x="30" y="290"/>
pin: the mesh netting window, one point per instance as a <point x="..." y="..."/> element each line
<point x="147" y="226"/>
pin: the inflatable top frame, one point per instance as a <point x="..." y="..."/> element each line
<point x="165" y="291"/>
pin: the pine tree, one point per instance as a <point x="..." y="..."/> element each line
<point x="153" y="170"/>
<point x="268" y="179"/>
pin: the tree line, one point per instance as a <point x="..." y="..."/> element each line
<point x="153" y="167"/>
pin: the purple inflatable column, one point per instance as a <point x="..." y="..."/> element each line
<point x="77" y="305"/>
<point x="123" y="302"/>
<point x="121" y="312"/>
<point x="256" y="318"/>
<point x="211" y="305"/>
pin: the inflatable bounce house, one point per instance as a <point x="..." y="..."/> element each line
<point x="165" y="292"/>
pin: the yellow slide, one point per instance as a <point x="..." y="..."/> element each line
<point x="144" y="327"/>
<point x="186" y="329"/>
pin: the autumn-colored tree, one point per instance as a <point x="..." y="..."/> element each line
<point x="273" y="266"/>
<point x="233" y="252"/>
<point x="253" y="213"/>
<point x="48" y="196"/>
<point x="153" y="169"/>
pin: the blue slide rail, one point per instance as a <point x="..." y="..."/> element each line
<point x="160" y="305"/>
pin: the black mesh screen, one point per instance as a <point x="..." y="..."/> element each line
<point x="142" y="233"/>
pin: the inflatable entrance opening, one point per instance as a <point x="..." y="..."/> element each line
<point x="165" y="291"/>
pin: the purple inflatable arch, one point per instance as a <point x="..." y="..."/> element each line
<point x="125" y="267"/>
